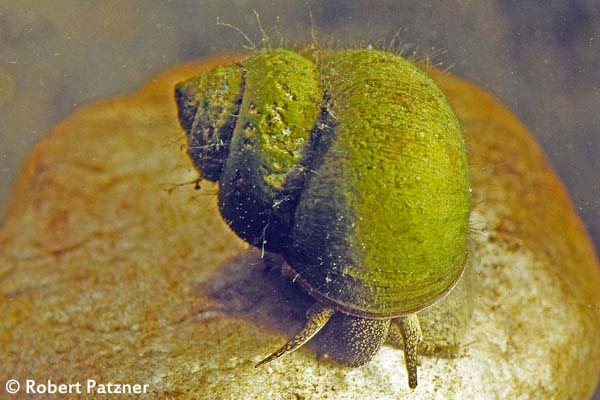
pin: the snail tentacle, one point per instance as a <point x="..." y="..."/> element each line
<point x="318" y="315"/>
<point x="407" y="331"/>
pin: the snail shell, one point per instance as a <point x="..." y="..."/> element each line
<point x="353" y="167"/>
<point x="381" y="224"/>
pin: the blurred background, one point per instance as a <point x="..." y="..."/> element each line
<point x="540" y="57"/>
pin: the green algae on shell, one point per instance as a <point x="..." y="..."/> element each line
<point x="249" y="127"/>
<point x="381" y="225"/>
<point x="264" y="171"/>
<point x="208" y="106"/>
<point x="353" y="167"/>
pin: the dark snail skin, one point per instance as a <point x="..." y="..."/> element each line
<point x="352" y="166"/>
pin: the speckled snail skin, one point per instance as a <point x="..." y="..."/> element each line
<point x="352" y="166"/>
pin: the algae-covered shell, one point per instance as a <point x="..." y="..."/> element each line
<point x="381" y="226"/>
<point x="208" y="107"/>
<point x="352" y="166"/>
<point x="264" y="172"/>
<point x="249" y="127"/>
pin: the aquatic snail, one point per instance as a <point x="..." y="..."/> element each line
<point x="352" y="166"/>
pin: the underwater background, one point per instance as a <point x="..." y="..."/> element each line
<point x="541" y="58"/>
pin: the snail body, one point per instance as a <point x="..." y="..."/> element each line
<point x="353" y="168"/>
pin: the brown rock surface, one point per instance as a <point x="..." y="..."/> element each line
<point x="113" y="269"/>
